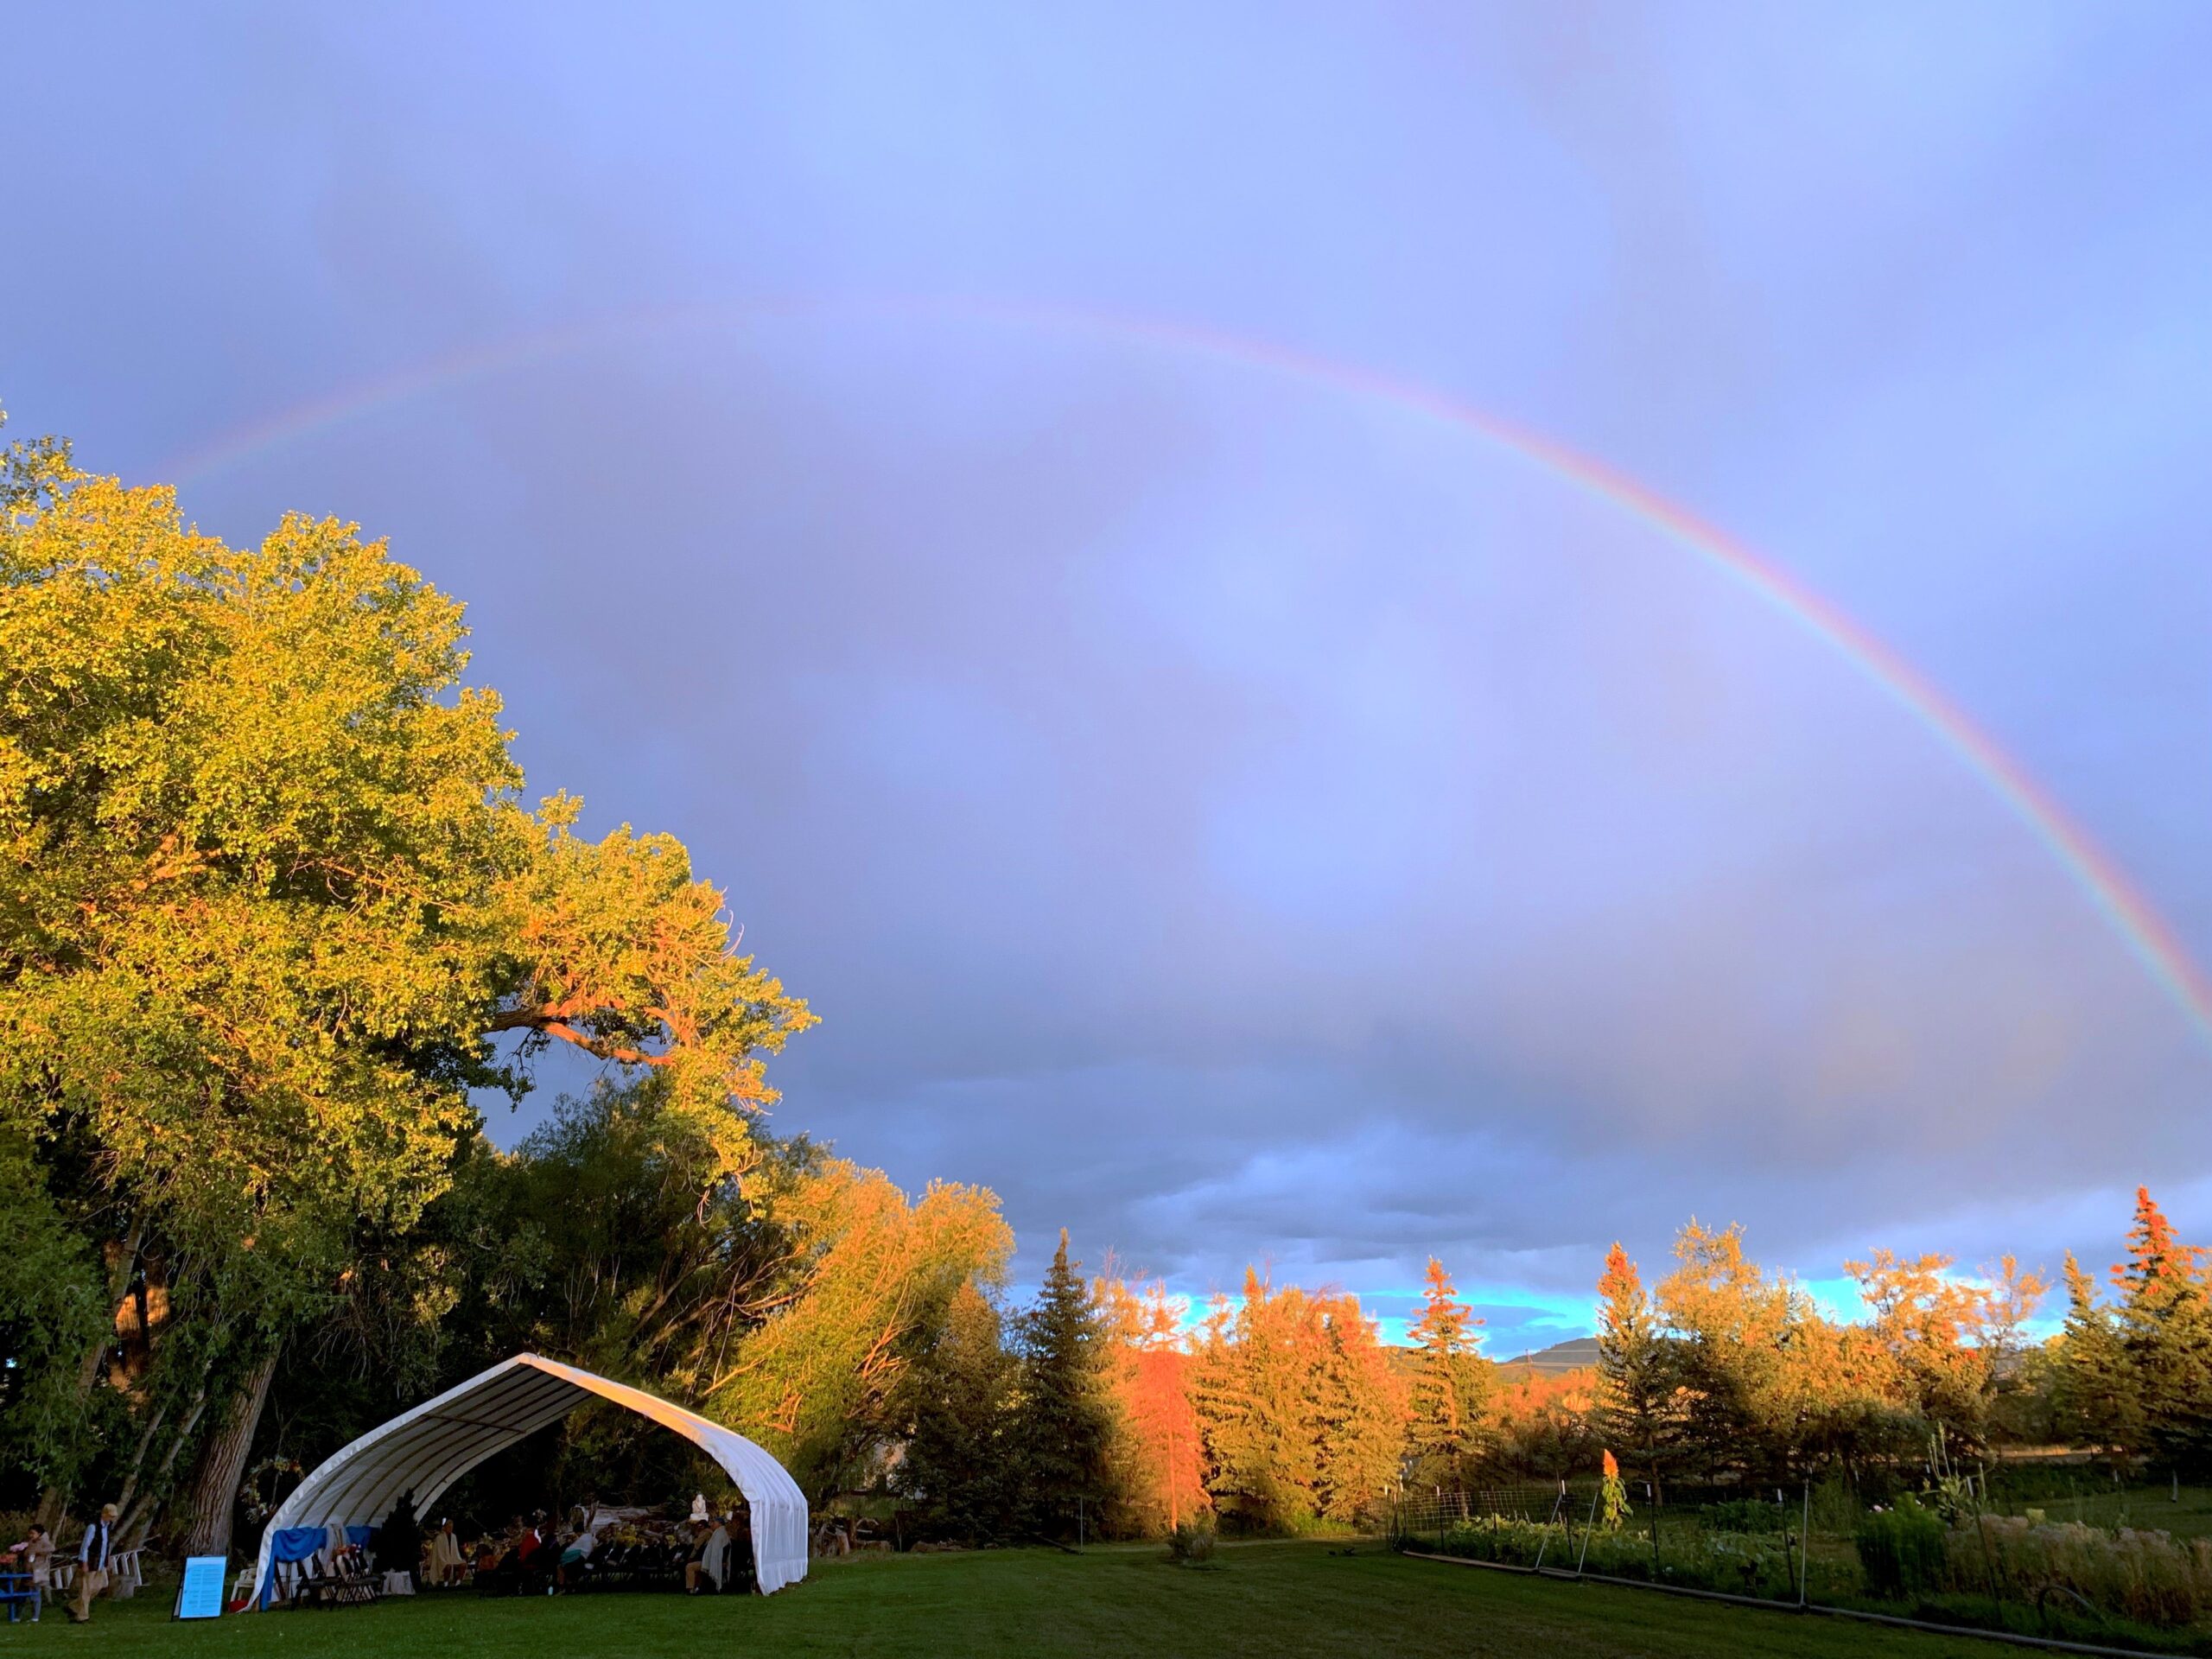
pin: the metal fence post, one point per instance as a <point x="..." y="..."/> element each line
<point x="1805" y="1547"/>
<point x="1548" y="1519"/>
<point x="1589" y="1527"/>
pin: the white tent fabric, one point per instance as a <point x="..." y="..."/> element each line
<point x="425" y="1450"/>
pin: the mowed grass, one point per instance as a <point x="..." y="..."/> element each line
<point x="1268" y="1600"/>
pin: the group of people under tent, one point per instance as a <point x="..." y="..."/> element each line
<point x="705" y="1552"/>
<point x="32" y="1557"/>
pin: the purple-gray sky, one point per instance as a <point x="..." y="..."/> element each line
<point x="1232" y="814"/>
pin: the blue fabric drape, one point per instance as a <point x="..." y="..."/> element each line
<point x="290" y="1544"/>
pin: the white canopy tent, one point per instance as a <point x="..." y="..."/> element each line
<point x="425" y="1450"/>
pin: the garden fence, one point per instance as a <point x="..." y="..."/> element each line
<point x="2053" y="1556"/>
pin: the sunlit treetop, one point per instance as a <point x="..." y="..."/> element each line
<point x="269" y="887"/>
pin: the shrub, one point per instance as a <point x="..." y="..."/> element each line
<point x="1746" y="1515"/>
<point x="1901" y="1550"/>
<point x="2150" y="1577"/>
<point x="1190" y="1544"/>
<point x="1737" y="1563"/>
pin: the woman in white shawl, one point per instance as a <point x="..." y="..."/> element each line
<point x="448" y="1564"/>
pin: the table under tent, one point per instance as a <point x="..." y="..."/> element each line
<point x="426" y="1450"/>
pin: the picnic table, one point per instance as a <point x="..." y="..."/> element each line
<point x="16" y="1589"/>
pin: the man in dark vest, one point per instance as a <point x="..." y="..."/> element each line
<point x="91" y="1563"/>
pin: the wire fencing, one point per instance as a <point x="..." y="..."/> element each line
<point x="2094" y="1573"/>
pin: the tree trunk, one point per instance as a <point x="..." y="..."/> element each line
<point x="215" y="1493"/>
<point x="138" y="1511"/>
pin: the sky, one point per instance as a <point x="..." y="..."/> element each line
<point x="975" y="474"/>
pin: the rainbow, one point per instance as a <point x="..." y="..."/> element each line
<point x="2147" y="934"/>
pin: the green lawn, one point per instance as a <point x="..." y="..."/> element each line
<point x="1271" y="1601"/>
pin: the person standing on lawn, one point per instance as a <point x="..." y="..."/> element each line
<point x="32" y="1557"/>
<point x="92" y="1557"/>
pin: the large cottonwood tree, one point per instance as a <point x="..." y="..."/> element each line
<point x="268" y="893"/>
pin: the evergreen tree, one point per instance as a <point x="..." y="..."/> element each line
<point x="2099" y="1401"/>
<point x="2157" y="1265"/>
<point x="1304" y="1419"/>
<point x="1360" y="1414"/>
<point x="1634" y="1383"/>
<point x="1063" y="1420"/>
<point x="2165" y="1326"/>
<point x="961" y="1391"/>
<point x="1448" y="1388"/>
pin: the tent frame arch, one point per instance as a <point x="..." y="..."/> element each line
<point x="427" y="1448"/>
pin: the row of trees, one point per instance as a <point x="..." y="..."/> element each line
<point x="1724" y="1371"/>
<point x="1280" y="1409"/>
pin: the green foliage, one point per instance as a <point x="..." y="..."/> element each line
<point x="960" y="1470"/>
<point x="1739" y="1564"/>
<point x="2135" y="1375"/>
<point x="2147" y="1576"/>
<point x="1902" y="1549"/>
<point x="268" y="893"/>
<point x="1744" y="1515"/>
<point x="52" y="1311"/>
<point x="828" y="1342"/>
<point x="1612" y="1503"/>
<point x="791" y="1305"/>
<point x="1304" y="1419"/>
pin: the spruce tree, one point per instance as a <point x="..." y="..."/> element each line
<point x="1361" y="1414"/>
<point x="961" y="1391"/>
<point x="1063" y="1420"/>
<point x="2163" y="1325"/>
<point x="2099" y="1401"/>
<point x="1634" y="1383"/>
<point x="1448" y="1387"/>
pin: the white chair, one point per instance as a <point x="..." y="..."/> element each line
<point x="124" y="1581"/>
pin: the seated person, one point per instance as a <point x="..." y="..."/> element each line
<point x="575" y="1559"/>
<point x="446" y="1566"/>
<point x="496" y="1572"/>
<point x="695" y="1560"/>
<point x="715" y="1559"/>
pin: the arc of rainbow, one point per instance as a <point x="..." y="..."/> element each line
<point x="2147" y="934"/>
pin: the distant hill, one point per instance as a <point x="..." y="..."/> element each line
<point x="1575" y="1354"/>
